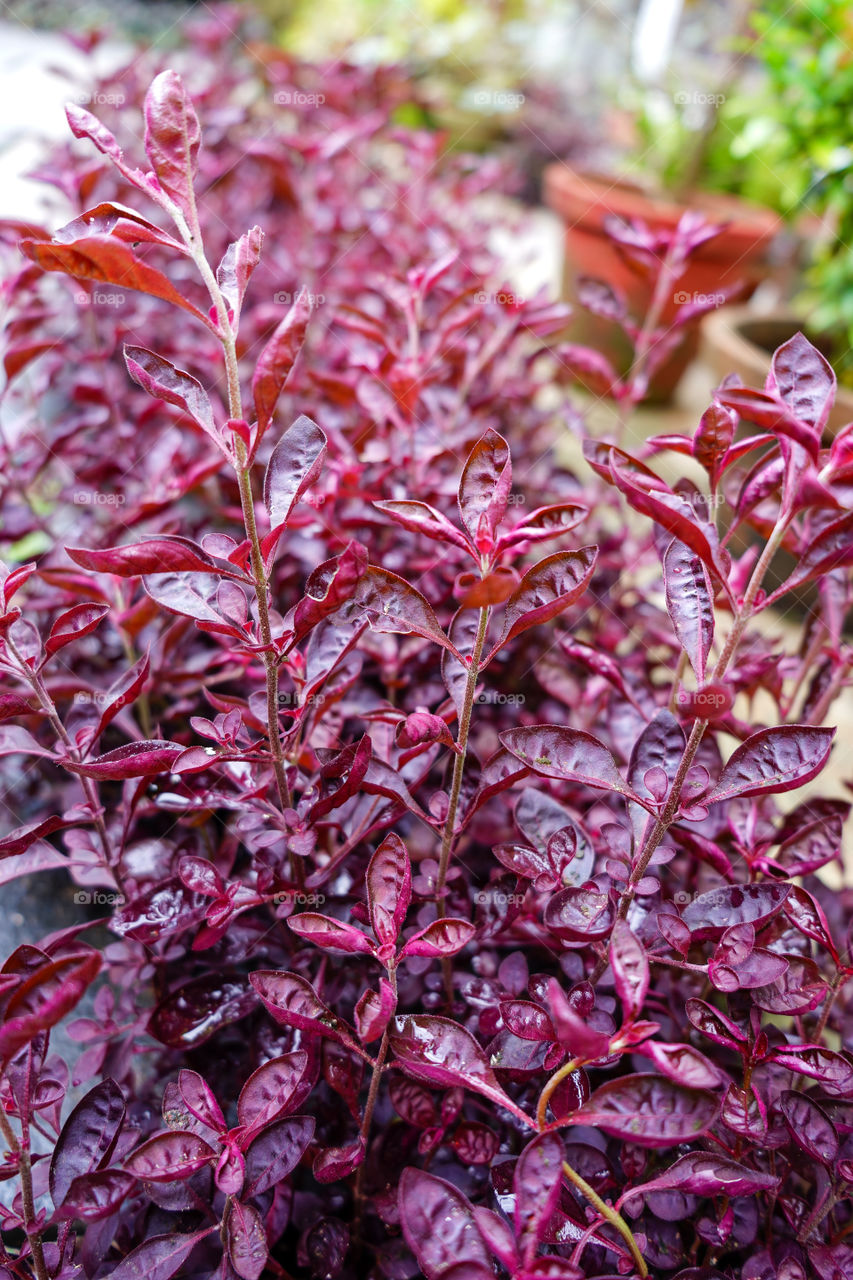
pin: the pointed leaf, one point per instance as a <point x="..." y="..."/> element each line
<point x="704" y="1173"/>
<point x="294" y="464"/>
<point x="293" y="1002"/>
<point x="331" y="935"/>
<point x="276" y="1152"/>
<point x="159" y="1257"/>
<point x="441" y="1052"/>
<point x="389" y="889"/>
<point x="649" y="1110"/>
<point x="445" y="937"/>
<point x="164" y="381"/>
<point x="630" y="969"/>
<point x="690" y="603"/>
<point x="419" y="517"/>
<point x="155" y="555"/>
<point x="246" y="1240"/>
<point x="87" y="1138"/>
<point x="389" y="604"/>
<point x="171" y="1156"/>
<point x="438" y="1223"/>
<point x="536" y="1182"/>
<point x="571" y="754"/>
<point x="134" y="760"/>
<point x="546" y="590"/>
<point x="172" y="139"/>
<point x="272" y="1088"/>
<point x="772" y="760"/>
<point x="710" y="914"/>
<point x="484" y="489"/>
<point x="278" y="358"/>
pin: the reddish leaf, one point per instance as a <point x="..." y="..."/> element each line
<point x="165" y="381"/>
<point x="831" y="549"/>
<point x="690" y="602"/>
<point x="95" y="1196"/>
<point x="776" y="759"/>
<point x="484" y="489"/>
<point x="374" y="1011"/>
<point x="441" y="1052"/>
<point x="771" y="414"/>
<point x="278" y="358"/>
<point x="331" y="935"/>
<point x="294" y="464"/>
<point x="246" y="1240"/>
<point x="155" y="555"/>
<point x="169" y="1157"/>
<point x="276" y="1152"/>
<point x="159" y="1257"/>
<point x="45" y="996"/>
<point x="276" y="1086"/>
<point x="649" y="1110"/>
<point x="172" y="140"/>
<point x="134" y="760"/>
<point x="102" y="257"/>
<point x="833" y="1070"/>
<point x="389" y="604"/>
<point x="544" y="523"/>
<point x="630" y="969"/>
<point x="199" y="1099"/>
<point x="445" y="937"/>
<point x="389" y="889"/>
<point x="419" y="517"/>
<point x="536" y="1182"/>
<point x="235" y="270"/>
<point x="88" y="1137"/>
<point x="710" y="914"/>
<point x="293" y="1002"/>
<point x="546" y="590"/>
<point x="438" y="1223"/>
<point x="704" y="1173"/>
<point x="810" y="1126"/>
<point x="713" y="437"/>
<point x="805" y="380"/>
<point x="73" y="624"/>
<point x="571" y="754"/>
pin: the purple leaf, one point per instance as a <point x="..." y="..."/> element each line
<point x="293" y="1002"/>
<point x="571" y="754"/>
<point x="389" y="889"/>
<point x="420" y="517"/>
<point x="439" y="1051"/>
<point x="690" y="602"/>
<point x="438" y="1223"/>
<point x="649" y="1110"/>
<point x="713" y="437"/>
<point x="235" y="270"/>
<point x="295" y="463"/>
<point x="159" y="1257"/>
<point x="537" y="1181"/>
<point x="833" y="1070"/>
<point x="73" y="624"/>
<point x="199" y="1099"/>
<point x="704" y="1173"/>
<point x="804" y="379"/>
<point x="95" y="1196"/>
<point x="776" y="759"/>
<point x="169" y="1157"/>
<point x="579" y="915"/>
<point x="276" y="1086"/>
<point x="445" y="937"/>
<point x="710" y="914"/>
<point x="810" y="1126"/>
<point x="374" y="1011"/>
<point x="630" y="969"/>
<point x="389" y="604"/>
<point x="546" y="590"/>
<point x="276" y="1152"/>
<point x="331" y="935"/>
<point x="172" y="140"/>
<point x="246" y="1240"/>
<point x="278" y="358"/>
<point x="484" y="489"/>
<point x="88" y="1137"/>
<point x="134" y="760"/>
<point x="164" y="381"/>
<point x="155" y="555"/>
<point x="44" y="997"/>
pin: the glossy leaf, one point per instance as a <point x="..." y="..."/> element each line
<point x="484" y="489"/>
<point x="172" y="139"/>
<point x="332" y="935"/>
<point x="710" y="914"/>
<point x="293" y="1002"/>
<point x="246" y="1240"/>
<point x="546" y="590"/>
<point x="278" y="358"/>
<point x="87" y="1138"/>
<point x="295" y="463"/>
<point x="169" y="1157"/>
<point x="438" y="1223"/>
<point x="134" y="760"/>
<point x="161" y="379"/>
<point x="773" y="760"/>
<point x="649" y="1110"/>
<point x="537" y="1181"/>
<point x="73" y="625"/>
<point x="270" y="1090"/>
<point x="276" y="1152"/>
<point x="571" y="754"/>
<point x="630" y="969"/>
<point x="445" y="937"/>
<point x="389" y="889"/>
<point x="440" y="1051"/>
<point x="708" y="1174"/>
<point x="159" y="1257"/>
<point x="690" y="602"/>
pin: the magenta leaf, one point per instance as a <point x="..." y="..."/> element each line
<point x="45" y="996"/>
<point x="94" y="1196"/>
<point x="571" y="754"/>
<point x="810" y="1126"/>
<point x="439" y="1225"/>
<point x="420" y="517"/>
<point x="275" y="1086"/>
<point x="711" y="913"/>
<point x="103" y="258"/>
<point x="537" y="1181"/>
<point x="334" y="1163"/>
<point x="278" y="358"/>
<point x="389" y="604"/>
<point x="199" y="1099"/>
<point x="832" y="548"/>
<point x="771" y="413"/>
<point x="546" y="590"/>
<point x="579" y="914"/>
<point x="439" y="1051"/>
<point x="156" y="555"/>
<point x="246" y="1240"/>
<point x="832" y="1069"/>
<point x="389" y="889"/>
<point x="649" y="1110"/>
<point x="374" y="1011"/>
<point x="331" y="935"/>
<point x="704" y="1173"/>
<point x="73" y="625"/>
<point x="172" y="140"/>
<point x="159" y="1257"/>
<point x="484" y="489"/>
<point x="235" y="270"/>
<point x="134" y="760"/>
<point x="88" y="1137"/>
<point x="294" y="464"/>
<point x="713" y="437"/>
<point x="804" y="379"/>
<point x="445" y="937"/>
<point x="293" y="1002"/>
<point x="169" y="1157"/>
<point x="773" y="760"/>
<point x="276" y="1152"/>
<point x="630" y="969"/>
<point x="196" y="1009"/>
<point x="543" y="524"/>
<point x="690" y="602"/>
<point x="164" y="381"/>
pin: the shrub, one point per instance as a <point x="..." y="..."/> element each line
<point x="400" y="783"/>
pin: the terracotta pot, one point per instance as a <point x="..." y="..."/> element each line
<point x="736" y="340"/>
<point x="738" y="254"/>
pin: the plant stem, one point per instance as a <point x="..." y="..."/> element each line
<point x="25" y="1169"/>
<point x="367" y="1118"/>
<point x="556" y="1079"/>
<point x="459" y="760"/>
<point x="192" y="238"/>
<point x="610" y="1214"/>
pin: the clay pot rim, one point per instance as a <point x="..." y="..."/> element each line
<point x="583" y="197"/>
